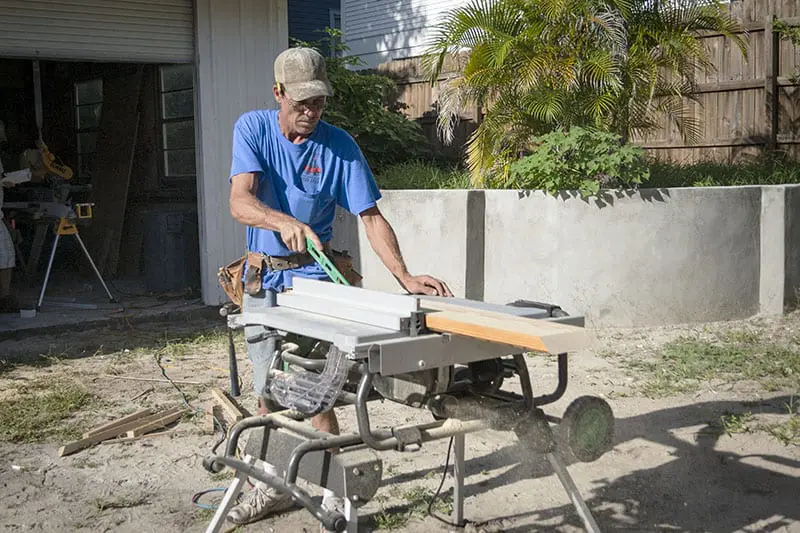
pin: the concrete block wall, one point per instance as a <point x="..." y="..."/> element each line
<point x="648" y="257"/>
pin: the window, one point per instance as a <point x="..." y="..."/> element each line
<point x="88" y="107"/>
<point x="335" y="24"/>
<point x="177" y="121"/>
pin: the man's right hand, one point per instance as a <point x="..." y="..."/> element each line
<point x="294" y="233"/>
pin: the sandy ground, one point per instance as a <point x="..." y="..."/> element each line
<point x="669" y="470"/>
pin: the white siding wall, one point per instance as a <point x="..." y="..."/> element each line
<point x="382" y="30"/>
<point x="236" y="45"/>
<point x="98" y="30"/>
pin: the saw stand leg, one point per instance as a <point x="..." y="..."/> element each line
<point x="65" y="228"/>
<point x="230" y="498"/>
<point x="458" y="478"/>
<point x="577" y="500"/>
<point x="351" y="515"/>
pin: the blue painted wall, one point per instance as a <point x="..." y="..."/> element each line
<point x="308" y="17"/>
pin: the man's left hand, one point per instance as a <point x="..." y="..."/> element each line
<point x="426" y="285"/>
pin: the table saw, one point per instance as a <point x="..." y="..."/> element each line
<point x="449" y="356"/>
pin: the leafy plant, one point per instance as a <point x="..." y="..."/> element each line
<point x="535" y="66"/>
<point x="361" y="106"/>
<point x="579" y="159"/>
<point x="766" y="169"/>
<point x="421" y="175"/>
<point x="789" y="33"/>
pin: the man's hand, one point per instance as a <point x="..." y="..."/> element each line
<point x="294" y="233"/>
<point x="426" y="285"/>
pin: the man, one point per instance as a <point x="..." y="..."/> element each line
<point x="7" y="253"/>
<point x="289" y="171"/>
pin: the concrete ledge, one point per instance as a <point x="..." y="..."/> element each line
<point x="436" y="237"/>
<point x="632" y="258"/>
<point x="644" y="258"/>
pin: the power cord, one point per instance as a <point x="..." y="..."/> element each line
<point x="439" y="490"/>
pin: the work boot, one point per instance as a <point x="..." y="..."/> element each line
<point x="333" y="504"/>
<point x="260" y="502"/>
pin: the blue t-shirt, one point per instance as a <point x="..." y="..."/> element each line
<point x="306" y="181"/>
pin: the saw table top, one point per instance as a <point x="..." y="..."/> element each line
<point x="353" y="317"/>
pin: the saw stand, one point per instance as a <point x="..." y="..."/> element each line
<point x="67" y="226"/>
<point x="395" y="348"/>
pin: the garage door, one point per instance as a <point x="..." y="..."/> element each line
<point x="98" y="30"/>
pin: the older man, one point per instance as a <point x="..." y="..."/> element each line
<point x="290" y="170"/>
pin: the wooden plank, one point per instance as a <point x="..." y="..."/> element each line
<point x="771" y="50"/>
<point x="158" y="423"/>
<point x="112" y="432"/>
<point x="123" y="440"/>
<point x="118" y="422"/>
<point x="116" y="142"/>
<point x="230" y="407"/>
<point x="533" y="334"/>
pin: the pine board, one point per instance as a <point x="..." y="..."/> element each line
<point x="530" y="333"/>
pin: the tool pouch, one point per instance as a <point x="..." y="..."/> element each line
<point x="344" y="264"/>
<point x="230" y="279"/>
<point x="252" y="278"/>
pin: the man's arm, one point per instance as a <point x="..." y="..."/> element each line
<point x="247" y="209"/>
<point x="384" y="241"/>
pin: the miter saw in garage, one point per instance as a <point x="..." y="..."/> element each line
<point x="450" y="356"/>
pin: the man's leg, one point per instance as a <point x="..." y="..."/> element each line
<point x="262" y="500"/>
<point x="7" y="262"/>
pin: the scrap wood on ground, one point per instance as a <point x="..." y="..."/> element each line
<point x="133" y="426"/>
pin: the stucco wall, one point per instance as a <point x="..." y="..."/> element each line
<point x="628" y="259"/>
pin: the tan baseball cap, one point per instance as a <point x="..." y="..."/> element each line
<point x="302" y="73"/>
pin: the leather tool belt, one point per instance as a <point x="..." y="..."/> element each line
<point x="257" y="262"/>
<point x="230" y="276"/>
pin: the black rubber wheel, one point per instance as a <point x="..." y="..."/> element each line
<point x="586" y="431"/>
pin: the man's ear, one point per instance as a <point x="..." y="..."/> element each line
<point x="277" y="91"/>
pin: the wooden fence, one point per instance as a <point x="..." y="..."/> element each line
<point x="744" y="106"/>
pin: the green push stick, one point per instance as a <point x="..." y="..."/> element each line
<point x="326" y="264"/>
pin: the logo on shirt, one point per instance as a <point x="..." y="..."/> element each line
<point x="313" y="168"/>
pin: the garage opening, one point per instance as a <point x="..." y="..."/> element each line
<point x="121" y="137"/>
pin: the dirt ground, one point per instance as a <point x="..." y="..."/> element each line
<point x="694" y="461"/>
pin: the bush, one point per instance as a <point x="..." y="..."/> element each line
<point x="580" y="159"/>
<point x="361" y="106"/>
<point x="767" y="169"/>
<point x="422" y="175"/>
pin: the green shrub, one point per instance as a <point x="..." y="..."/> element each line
<point x="421" y="175"/>
<point x="579" y="159"/>
<point x="767" y="169"/>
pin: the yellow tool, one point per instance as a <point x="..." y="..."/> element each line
<point x="54" y="167"/>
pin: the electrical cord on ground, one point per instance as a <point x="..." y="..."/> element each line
<point x="197" y="495"/>
<point x="439" y="490"/>
<point x="157" y="358"/>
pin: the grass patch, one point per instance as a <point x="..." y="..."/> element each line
<point x="684" y="364"/>
<point x="787" y="432"/>
<point x="421" y="175"/>
<point x="761" y="170"/>
<point x="414" y="506"/>
<point x="37" y="411"/>
<point x="734" y="423"/>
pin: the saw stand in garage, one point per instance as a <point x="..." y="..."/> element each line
<point x="67" y="226"/>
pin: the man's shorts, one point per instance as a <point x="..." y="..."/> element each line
<point x="263" y="349"/>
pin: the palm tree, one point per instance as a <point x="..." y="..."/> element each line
<point x="536" y="66"/>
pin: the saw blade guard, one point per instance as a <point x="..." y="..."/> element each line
<point x="312" y="393"/>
